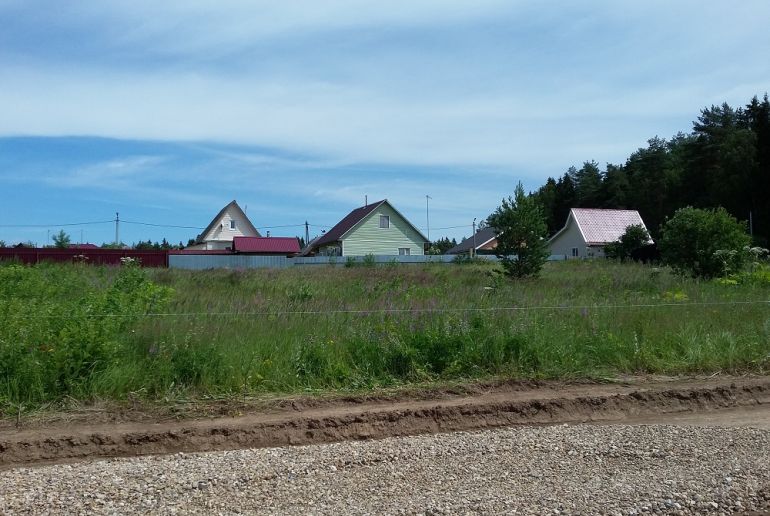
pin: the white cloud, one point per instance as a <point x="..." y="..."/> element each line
<point x="562" y="85"/>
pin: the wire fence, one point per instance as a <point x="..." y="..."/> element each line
<point x="395" y="311"/>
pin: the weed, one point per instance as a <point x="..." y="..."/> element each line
<point x="79" y="331"/>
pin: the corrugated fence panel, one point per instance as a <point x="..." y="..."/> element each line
<point x="147" y="258"/>
<point x="240" y="261"/>
<point x="226" y="261"/>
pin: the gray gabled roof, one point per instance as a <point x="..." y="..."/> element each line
<point x="483" y="236"/>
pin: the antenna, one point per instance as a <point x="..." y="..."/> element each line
<point x="366" y="200"/>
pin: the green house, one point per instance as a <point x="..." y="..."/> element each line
<point x="376" y="228"/>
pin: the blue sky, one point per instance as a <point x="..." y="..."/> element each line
<point x="166" y="111"/>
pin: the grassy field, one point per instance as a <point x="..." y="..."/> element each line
<point x="83" y="332"/>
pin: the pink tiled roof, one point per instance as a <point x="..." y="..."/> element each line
<point x="604" y="226"/>
<point x="266" y="245"/>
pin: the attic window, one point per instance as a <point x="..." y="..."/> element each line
<point x="385" y="221"/>
<point x="232" y="224"/>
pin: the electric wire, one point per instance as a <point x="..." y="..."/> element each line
<point x="387" y="311"/>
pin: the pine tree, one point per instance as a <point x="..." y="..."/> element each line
<point x="521" y="232"/>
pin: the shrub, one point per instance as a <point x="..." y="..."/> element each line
<point x="633" y="238"/>
<point x="369" y="260"/>
<point x="58" y="330"/>
<point x="704" y="243"/>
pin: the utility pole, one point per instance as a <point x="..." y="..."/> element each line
<point x="307" y="234"/>
<point x="427" y="215"/>
<point x="117" y="228"/>
<point x="47" y="237"/>
<point x="473" y="250"/>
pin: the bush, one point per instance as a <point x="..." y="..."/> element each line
<point x="58" y="331"/>
<point x="633" y="238"/>
<point x="704" y="243"/>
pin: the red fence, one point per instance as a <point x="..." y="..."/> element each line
<point x="93" y="256"/>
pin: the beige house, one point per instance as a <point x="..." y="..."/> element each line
<point x="229" y="223"/>
<point x="588" y="230"/>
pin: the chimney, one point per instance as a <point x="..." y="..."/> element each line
<point x="366" y="200"/>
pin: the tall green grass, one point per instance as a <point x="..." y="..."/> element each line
<point x="93" y="332"/>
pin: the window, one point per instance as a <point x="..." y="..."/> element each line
<point x="403" y="251"/>
<point x="232" y="224"/>
<point x="575" y="252"/>
<point x="385" y="221"/>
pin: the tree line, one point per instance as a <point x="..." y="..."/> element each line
<point x="723" y="162"/>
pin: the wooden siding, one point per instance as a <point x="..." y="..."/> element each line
<point x="221" y="236"/>
<point x="369" y="238"/>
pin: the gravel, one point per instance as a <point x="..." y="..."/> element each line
<point x="580" y="469"/>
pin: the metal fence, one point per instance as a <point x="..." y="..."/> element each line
<point x="240" y="261"/>
<point x="31" y="256"/>
<point x="215" y="259"/>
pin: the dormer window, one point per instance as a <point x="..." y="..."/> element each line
<point x="232" y="224"/>
<point x="384" y="221"/>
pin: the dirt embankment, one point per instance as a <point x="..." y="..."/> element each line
<point x="310" y="420"/>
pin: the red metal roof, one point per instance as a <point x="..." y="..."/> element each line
<point x="343" y="226"/>
<point x="278" y="245"/>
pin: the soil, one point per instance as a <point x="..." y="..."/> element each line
<point x="92" y="433"/>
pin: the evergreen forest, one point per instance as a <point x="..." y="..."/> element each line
<point x="723" y="161"/>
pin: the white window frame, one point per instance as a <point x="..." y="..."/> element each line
<point x="404" y="251"/>
<point x="386" y="219"/>
<point x="232" y="224"/>
<point x="575" y="252"/>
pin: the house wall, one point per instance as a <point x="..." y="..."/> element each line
<point x="569" y="238"/>
<point x="221" y="232"/>
<point x="218" y="245"/>
<point x="369" y="238"/>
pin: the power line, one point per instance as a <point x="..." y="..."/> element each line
<point x="283" y="226"/>
<point x="158" y="225"/>
<point x="452" y="227"/>
<point x="56" y="225"/>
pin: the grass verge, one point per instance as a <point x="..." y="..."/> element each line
<point x="83" y="332"/>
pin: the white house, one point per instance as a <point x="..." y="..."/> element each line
<point x="229" y="223"/>
<point x="588" y="230"/>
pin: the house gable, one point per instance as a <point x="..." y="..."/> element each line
<point x="587" y="231"/>
<point x="230" y="222"/>
<point x="359" y="233"/>
<point x="367" y="237"/>
<point x="485" y="240"/>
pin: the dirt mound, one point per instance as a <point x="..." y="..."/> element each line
<point x="299" y="422"/>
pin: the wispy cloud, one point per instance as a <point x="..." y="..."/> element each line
<point x="299" y="109"/>
<point x="492" y="84"/>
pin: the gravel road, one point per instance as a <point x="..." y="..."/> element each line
<point x="580" y="469"/>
